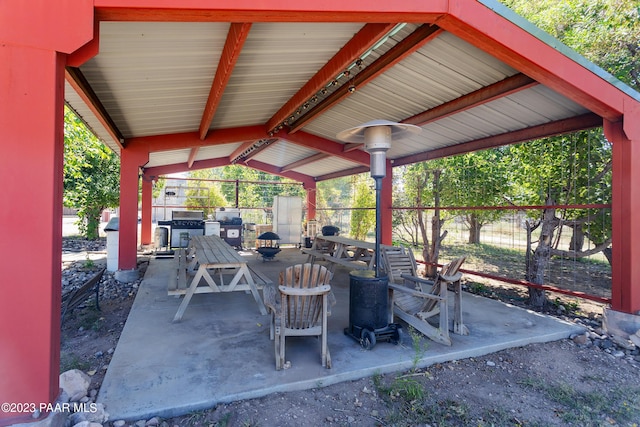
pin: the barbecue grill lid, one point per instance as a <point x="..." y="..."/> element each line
<point x="187" y="215"/>
<point x="268" y="235"/>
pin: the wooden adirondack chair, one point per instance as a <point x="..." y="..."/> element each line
<point x="417" y="300"/>
<point x="300" y="307"/>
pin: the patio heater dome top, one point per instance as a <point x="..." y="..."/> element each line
<point x="397" y="130"/>
<point x="377" y="136"/>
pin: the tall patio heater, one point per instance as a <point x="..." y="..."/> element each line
<point x="368" y="291"/>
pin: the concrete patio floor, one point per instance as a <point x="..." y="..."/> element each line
<point x="221" y="351"/>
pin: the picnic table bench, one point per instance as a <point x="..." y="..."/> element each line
<point x="209" y="257"/>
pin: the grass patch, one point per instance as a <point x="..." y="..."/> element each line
<point x="90" y="319"/>
<point x="73" y="361"/>
<point x="616" y="407"/>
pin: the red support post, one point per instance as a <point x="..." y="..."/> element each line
<point x="311" y="202"/>
<point x="30" y="303"/>
<point x="625" y="271"/>
<point x="34" y="41"/>
<point x="145" y="231"/>
<point x="130" y="162"/>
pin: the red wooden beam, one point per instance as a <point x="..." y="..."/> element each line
<point x="400" y="51"/>
<point x="326" y="146"/>
<point x="156" y="171"/>
<point x="179" y="141"/>
<point x="346" y="172"/>
<point x="363" y="40"/>
<point x="250" y="149"/>
<point x="486" y="29"/>
<point x="573" y="124"/>
<point x="87" y="51"/>
<point x="192" y="156"/>
<point x="305" y="161"/>
<point x="233" y="46"/>
<point x="306" y="180"/>
<point x="272" y="11"/>
<point x="235" y="155"/>
<point x="79" y="83"/>
<point x="489" y="93"/>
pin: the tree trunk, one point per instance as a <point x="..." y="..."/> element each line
<point x="541" y="257"/>
<point x="577" y="239"/>
<point x="608" y="253"/>
<point x="474" y="229"/>
<point x="93" y="226"/>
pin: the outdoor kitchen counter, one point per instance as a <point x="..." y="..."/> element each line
<point x="213" y="255"/>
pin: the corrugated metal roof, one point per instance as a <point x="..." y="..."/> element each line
<point x="154" y="78"/>
<point x="283" y="153"/>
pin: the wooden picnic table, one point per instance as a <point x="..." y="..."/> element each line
<point x="214" y="257"/>
<point x="352" y="253"/>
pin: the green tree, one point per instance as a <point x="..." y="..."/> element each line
<point x="205" y="196"/>
<point x="91" y="175"/>
<point x="332" y="194"/>
<point x="422" y="186"/>
<point x="607" y="32"/>
<point x="363" y="218"/>
<point x="565" y="170"/>
<point x="476" y="179"/>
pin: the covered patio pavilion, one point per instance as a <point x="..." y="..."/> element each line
<point x="175" y="85"/>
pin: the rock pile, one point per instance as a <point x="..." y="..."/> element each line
<point x="76" y="400"/>
<point x="77" y="273"/>
<point x="595" y="336"/>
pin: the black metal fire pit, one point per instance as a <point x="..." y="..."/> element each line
<point x="268" y="245"/>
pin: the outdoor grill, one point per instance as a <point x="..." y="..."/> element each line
<point x="184" y="225"/>
<point x="230" y="226"/>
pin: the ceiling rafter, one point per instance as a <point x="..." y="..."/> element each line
<point x="178" y="141"/>
<point x="192" y="156"/>
<point x="573" y="124"/>
<point x="156" y="171"/>
<point x="236" y="37"/>
<point x="80" y="84"/>
<point x="503" y="88"/>
<point x="340" y="174"/>
<point x="307" y="180"/>
<point x="558" y="127"/>
<point x="363" y="40"/>
<point x="400" y="51"/>
<point x="250" y="149"/>
<point x="237" y="153"/>
<point x="305" y="161"/>
<point x="500" y="89"/>
<point x="326" y="146"/>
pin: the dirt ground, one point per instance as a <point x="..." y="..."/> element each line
<point x="585" y="381"/>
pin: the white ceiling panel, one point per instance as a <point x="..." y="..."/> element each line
<point x="154" y="79"/>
